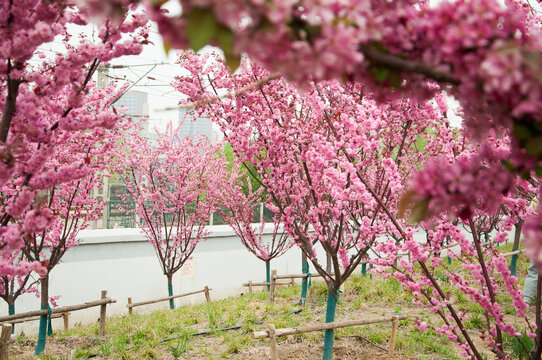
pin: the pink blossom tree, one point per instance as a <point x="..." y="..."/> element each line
<point x="65" y="209"/>
<point x="46" y="101"/>
<point x="485" y="53"/>
<point x="480" y="260"/>
<point x="175" y="187"/>
<point x="19" y="282"/>
<point x="290" y="139"/>
<point x="240" y="197"/>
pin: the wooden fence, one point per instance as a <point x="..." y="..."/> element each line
<point x="273" y="333"/>
<point x="132" y="305"/>
<point x="63" y="311"/>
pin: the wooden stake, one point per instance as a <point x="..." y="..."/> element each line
<point x="273" y="284"/>
<point x="66" y="318"/>
<point x="207" y="296"/>
<point x="272" y="341"/>
<point x="250" y="286"/>
<point x="103" y="314"/>
<point x="292" y="282"/>
<point x="4" y="341"/>
<point x="130" y="311"/>
<point x="395" y="323"/>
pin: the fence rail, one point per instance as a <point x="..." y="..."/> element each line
<point x="273" y="333"/>
<point x="131" y="305"/>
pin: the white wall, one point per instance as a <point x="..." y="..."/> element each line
<point x="124" y="263"/>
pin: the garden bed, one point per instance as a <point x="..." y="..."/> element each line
<point x="170" y="334"/>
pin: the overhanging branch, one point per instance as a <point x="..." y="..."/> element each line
<point x="393" y="62"/>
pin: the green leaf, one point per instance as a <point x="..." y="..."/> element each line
<point x="508" y="165"/>
<point x="538" y="170"/>
<point x="167" y="47"/>
<point x="534" y="146"/>
<point x="525" y="175"/>
<point x="224" y="38"/>
<point x="521" y="132"/>
<point x="419" y="211"/>
<point x="381" y="74"/>
<point x="201" y="27"/>
<point x="395" y="79"/>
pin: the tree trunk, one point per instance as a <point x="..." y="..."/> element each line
<point x="305" y="281"/>
<point x="537" y="351"/>
<point x="268" y="273"/>
<point x="332" y="298"/>
<point x="517" y="236"/>
<point x="170" y="291"/>
<point x="43" y="328"/>
<point x="329" y="264"/>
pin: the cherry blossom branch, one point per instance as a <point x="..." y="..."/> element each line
<point x="230" y="94"/>
<point x="378" y="57"/>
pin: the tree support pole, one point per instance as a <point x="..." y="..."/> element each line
<point x="330" y="317"/>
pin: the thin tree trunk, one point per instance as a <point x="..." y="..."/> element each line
<point x="329" y="264"/>
<point x="170" y="291"/>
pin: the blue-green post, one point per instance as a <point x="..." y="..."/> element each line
<point x="304" y="283"/>
<point x="11" y="311"/>
<point x="268" y="273"/>
<point x="448" y="250"/>
<point x="170" y="291"/>
<point x="330" y="317"/>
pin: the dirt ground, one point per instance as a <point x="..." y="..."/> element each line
<point x="292" y="347"/>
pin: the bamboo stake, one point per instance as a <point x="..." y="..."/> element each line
<point x="129" y="306"/>
<point x="103" y="314"/>
<point x="66" y="318"/>
<point x="273" y="284"/>
<point x="4" y="341"/>
<point x="395" y="323"/>
<point x="58" y="310"/>
<point x="298" y="276"/>
<point x="272" y="341"/>
<point x="326" y="326"/>
<point x="33" y="318"/>
<point x="207" y="296"/>
<point x="515" y="252"/>
<point x="268" y="283"/>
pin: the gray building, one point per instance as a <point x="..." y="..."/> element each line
<point x="135" y="102"/>
<point x="190" y="126"/>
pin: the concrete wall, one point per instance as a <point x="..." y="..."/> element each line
<point x="124" y="263"/>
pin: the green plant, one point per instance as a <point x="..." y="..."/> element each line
<point x="180" y="347"/>
<point x="521" y="346"/>
<point x="475" y="321"/>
